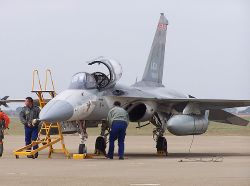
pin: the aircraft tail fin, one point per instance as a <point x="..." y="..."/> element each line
<point x="154" y="69"/>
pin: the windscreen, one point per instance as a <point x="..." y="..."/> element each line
<point x="82" y="80"/>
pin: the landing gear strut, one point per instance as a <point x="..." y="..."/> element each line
<point x="101" y="141"/>
<point x="83" y="137"/>
<point x="158" y="136"/>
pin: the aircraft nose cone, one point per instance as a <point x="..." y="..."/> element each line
<point x="56" y="110"/>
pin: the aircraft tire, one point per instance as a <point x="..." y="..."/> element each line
<point x="82" y="149"/>
<point x="162" y="146"/>
<point x="100" y="145"/>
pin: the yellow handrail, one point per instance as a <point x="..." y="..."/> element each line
<point x="48" y="72"/>
<point x="35" y="73"/>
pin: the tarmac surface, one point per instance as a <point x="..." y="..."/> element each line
<point x="213" y="160"/>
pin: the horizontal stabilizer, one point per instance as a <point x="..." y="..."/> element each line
<point x="226" y="117"/>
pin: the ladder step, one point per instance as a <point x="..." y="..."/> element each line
<point x="41" y="91"/>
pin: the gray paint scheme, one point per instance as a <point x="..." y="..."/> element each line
<point x="155" y="64"/>
<point x="150" y="94"/>
<point x="59" y="111"/>
<point x="226" y="117"/>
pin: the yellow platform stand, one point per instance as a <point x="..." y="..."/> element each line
<point x="45" y="140"/>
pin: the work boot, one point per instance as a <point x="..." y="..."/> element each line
<point x="108" y="157"/>
<point x="121" y="158"/>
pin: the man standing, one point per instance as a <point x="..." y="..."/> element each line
<point x="118" y="119"/>
<point x="4" y="124"/>
<point x="28" y="116"/>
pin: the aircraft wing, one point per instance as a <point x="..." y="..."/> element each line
<point x="4" y="101"/>
<point x="12" y="101"/>
<point x="208" y="104"/>
<point x="205" y="104"/>
<point x="215" y="106"/>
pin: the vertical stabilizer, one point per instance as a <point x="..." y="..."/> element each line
<point x="154" y="68"/>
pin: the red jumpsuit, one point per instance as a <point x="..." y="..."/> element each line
<point x="6" y="118"/>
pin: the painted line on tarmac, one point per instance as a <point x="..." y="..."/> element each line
<point x="11" y="173"/>
<point x="17" y="173"/>
<point x="90" y="165"/>
<point x="133" y="164"/>
<point x="145" y="184"/>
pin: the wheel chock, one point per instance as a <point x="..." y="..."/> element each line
<point x="82" y="156"/>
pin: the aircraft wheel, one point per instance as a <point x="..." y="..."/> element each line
<point x="162" y="146"/>
<point x="100" y="145"/>
<point x="82" y="149"/>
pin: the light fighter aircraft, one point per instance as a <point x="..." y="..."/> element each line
<point x="91" y="95"/>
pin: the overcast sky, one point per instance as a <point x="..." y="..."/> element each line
<point x="207" y="50"/>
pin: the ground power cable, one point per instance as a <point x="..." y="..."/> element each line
<point x="200" y="159"/>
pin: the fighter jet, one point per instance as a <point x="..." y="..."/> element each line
<point x="91" y="95"/>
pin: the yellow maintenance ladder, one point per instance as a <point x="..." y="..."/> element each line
<point x="44" y="139"/>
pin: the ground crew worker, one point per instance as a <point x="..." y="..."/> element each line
<point x="4" y="124"/>
<point x="28" y="117"/>
<point x="118" y="120"/>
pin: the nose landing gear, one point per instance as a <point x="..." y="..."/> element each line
<point x="82" y="149"/>
<point x="83" y="136"/>
<point x="100" y="145"/>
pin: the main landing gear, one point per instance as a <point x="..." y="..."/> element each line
<point x="162" y="146"/>
<point x="101" y="141"/>
<point x="158" y="136"/>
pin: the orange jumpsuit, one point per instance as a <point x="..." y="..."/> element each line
<point x="6" y="118"/>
